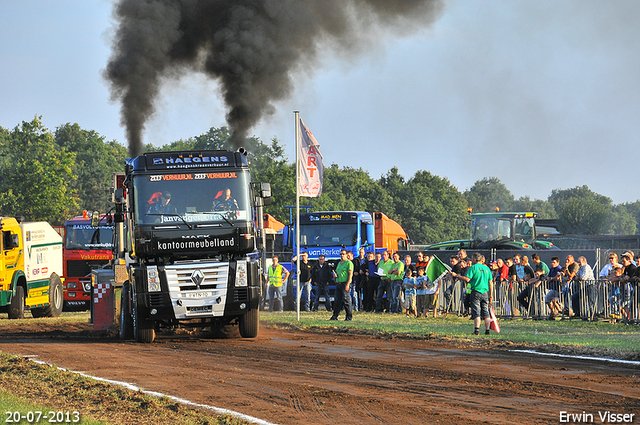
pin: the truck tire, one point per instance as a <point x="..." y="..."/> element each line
<point x="16" y="309"/>
<point x="249" y="324"/>
<point x="143" y="328"/>
<point x="56" y="300"/>
<point x="126" y="321"/>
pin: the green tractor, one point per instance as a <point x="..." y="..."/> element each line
<point x="499" y="230"/>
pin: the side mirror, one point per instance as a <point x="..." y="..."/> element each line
<point x="15" y="241"/>
<point x="265" y="193"/>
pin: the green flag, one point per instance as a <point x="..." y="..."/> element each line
<point x="436" y="269"/>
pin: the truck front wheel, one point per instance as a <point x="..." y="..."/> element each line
<point x="126" y="321"/>
<point x="143" y="328"/>
<point x="16" y="310"/>
<point x="249" y="324"/>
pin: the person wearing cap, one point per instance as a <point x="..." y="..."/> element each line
<point x="630" y="254"/>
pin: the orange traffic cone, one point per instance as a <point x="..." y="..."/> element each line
<point x="494" y="320"/>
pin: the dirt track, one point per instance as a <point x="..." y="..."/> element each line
<point x="291" y="377"/>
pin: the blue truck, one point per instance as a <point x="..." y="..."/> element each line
<point x="328" y="232"/>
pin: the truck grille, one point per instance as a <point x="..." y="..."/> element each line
<point x="207" y="298"/>
<point x="82" y="268"/>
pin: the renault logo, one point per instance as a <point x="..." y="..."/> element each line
<point x="197" y="277"/>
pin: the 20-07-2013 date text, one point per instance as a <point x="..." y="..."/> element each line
<point x="37" y="416"/>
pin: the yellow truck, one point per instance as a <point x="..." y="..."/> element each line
<point x="30" y="269"/>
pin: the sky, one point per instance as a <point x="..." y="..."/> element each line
<point x="543" y="95"/>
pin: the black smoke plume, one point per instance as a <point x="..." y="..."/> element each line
<point x="251" y="46"/>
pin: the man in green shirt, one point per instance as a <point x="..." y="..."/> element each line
<point x="385" y="281"/>
<point x="542" y="270"/>
<point x="480" y="281"/>
<point x="344" y="276"/>
<point x="396" y="273"/>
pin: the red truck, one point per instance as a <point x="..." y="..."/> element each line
<point x="85" y="248"/>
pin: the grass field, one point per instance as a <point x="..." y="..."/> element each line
<point x="31" y="387"/>
<point x="618" y="340"/>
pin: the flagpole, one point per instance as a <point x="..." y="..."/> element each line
<point x="297" y="129"/>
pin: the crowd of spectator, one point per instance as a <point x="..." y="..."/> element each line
<point x="568" y="291"/>
<point x="385" y="283"/>
<point x="379" y="282"/>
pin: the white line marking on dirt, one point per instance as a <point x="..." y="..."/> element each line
<point x="132" y="387"/>
<point x="602" y="359"/>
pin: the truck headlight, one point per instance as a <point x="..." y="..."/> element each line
<point x="72" y="285"/>
<point x="241" y="273"/>
<point x="153" y="279"/>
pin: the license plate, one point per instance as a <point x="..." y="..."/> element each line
<point x="203" y="309"/>
<point x="197" y="294"/>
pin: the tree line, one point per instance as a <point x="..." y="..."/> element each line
<point x="53" y="175"/>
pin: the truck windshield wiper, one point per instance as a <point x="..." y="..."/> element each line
<point x="175" y="215"/>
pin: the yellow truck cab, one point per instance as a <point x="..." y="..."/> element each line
<point x="30" y="269"/>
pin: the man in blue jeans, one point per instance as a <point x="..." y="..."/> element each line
<point x="384" y="265"/>
<point x="396" y="274"/>
<point x="277" y="275"/>
<point x="322" y="277"/>
<point x="305" y="280"/>
<point x="480" y="281"/>
<point x="344" y="277"/>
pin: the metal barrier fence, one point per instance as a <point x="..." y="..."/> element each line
<point x="588" y="300"/>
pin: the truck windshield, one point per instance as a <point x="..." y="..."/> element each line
<point x="328" y="234"/>
<point x="84" y="237"/>
<point x="524" y="228"/>
<point x="192" y="197"/>
<point x="487" y="229"/>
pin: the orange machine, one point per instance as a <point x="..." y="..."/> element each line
<point x="389" y="234"/>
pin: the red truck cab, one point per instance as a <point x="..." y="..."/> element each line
<point x="85" y="248"/>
